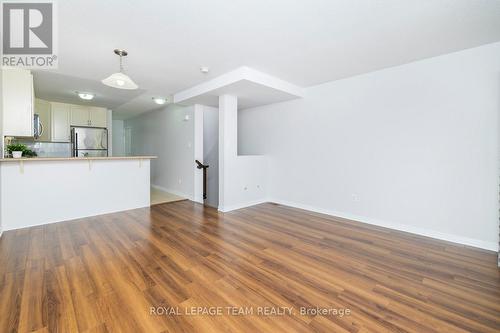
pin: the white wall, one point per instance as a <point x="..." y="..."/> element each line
<point x="412" y="147"/>
<point x="166" y="134"/>
<point x="118" y="138"/>
<point x="242" y="179"/>
<point x="52" y="191"/>
<point x="198" y="152"/>
<point x="109" y="122"/>
<point x="211" y="153"/>
<point x="245" y="183"/>
<point x="1" y="145"/>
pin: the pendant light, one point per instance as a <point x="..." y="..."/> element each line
<point x="120" y="80"/>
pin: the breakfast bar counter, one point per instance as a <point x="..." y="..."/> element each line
<point x="37" y="191"/>
<point x="39" y="159"/>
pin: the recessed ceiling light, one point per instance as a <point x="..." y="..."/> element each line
<point x="204" y="69"/>
<point x="160" y="100"/>
<point x="85" y="96"/>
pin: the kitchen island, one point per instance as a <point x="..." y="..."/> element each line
<point x="35" y="191"/>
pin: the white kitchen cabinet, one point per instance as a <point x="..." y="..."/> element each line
<point x="61" y="114"/>
<point x="17" y="95"/>
<point x="42" y="108"/>
<point x="98" y="117"/>
<point x="79" y="115"/>
<point x="88" y="116"/>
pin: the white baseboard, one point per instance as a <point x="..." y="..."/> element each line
<point x="229" y="208"/>
<point x="492" y="246"/>
<point x="178" y="193"/>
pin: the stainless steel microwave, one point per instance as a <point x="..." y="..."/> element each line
<point x="37" y="126"/>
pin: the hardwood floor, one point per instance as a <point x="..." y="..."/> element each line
<point x="103" y="274"/>
<point x="160" y="197"/>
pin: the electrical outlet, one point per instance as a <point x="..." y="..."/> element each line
<point x="180" y="181"/>
<point x="355" y="197"/>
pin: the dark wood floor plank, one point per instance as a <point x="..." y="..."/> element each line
<point x="60" y="309"/>
<point x="33" y="308"/>
<point x="83" y="293"/>
<point x="11" y="289"/>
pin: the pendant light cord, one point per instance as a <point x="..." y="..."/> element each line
<point x="121" y="65"/>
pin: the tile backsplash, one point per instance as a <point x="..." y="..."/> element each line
<point x="48" y="149"/>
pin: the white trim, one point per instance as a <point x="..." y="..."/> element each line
<point x="492" y="246"/>
<point x="241" y="205"/>
<point x="178" y="193"/>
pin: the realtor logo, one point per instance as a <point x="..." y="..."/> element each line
<point x="29" y="34"/>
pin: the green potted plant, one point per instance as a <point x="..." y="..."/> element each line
<point x="16" y="149"/>
<point x="29" y="153"/>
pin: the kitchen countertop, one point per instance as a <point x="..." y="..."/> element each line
<point x="35" y="159"/>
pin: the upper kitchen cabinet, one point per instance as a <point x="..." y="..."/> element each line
<point x="43" y="110"/>
<point x="60" y="122"/>
<point x="88" y="116"/>
<point x="80" y="115"/>
<point x="98" y="117"/>
<point x="17" y="85"/>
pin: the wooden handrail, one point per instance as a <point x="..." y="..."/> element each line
<point x="204" y="167"/>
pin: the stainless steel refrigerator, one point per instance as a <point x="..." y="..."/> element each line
<point x="89" y="142"/>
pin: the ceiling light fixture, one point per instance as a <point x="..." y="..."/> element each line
<point x="85" y="96"/>
<point x="159" y="100"/>
<point x="120" y="80"/>
<point x="204" y="69"/>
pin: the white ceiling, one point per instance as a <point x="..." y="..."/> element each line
<point x="62" y="88"/>
<point x="305" y="42"/>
